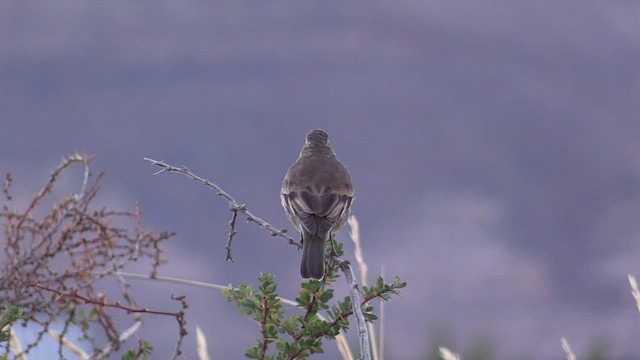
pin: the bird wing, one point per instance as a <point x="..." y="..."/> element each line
<point x="319" y="200"/>
<point x="317" y="214"/>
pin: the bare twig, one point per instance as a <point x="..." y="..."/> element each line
<point x="356" y="301"/>
<point x="68" y="161"/>
<point x="383" y="321"/>
<point x="567" y="349"/>
<point x="232" y="232"/>
<point x="69" y="345"/>
<point x="354" y="233"/>
<point x="201" y="341"/>
<point x="634" y="290"/>
<point x="107" y="349"/>
<point x="354" y="225"/>
<point x="100" y="303"/>
<point x="201" y="284"/>
<point x="103" y="303"/>
<point x="177" y="351"/>
<point x="343" y="346"/>
<point x="16" y="260"/>
<point x="16" y="346"/>
<point x="233" y="205"/>
<point x="447" y="354"/>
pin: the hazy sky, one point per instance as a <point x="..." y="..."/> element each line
<point x="493" y="146"/>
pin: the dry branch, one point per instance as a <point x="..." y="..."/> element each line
<point x="56" y="250"/>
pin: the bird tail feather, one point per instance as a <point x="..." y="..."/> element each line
<point x="312" y="256"/>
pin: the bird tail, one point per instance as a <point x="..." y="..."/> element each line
<point x="312" y="256"/>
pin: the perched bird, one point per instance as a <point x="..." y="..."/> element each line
<point x="316" y="195"/>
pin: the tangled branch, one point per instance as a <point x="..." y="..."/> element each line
<point x="57" y="249"/>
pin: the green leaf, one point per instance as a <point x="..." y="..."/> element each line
<point x="129" y="355"/>
<point x="304" y="299"/>
<point x="252" y="353"/>
<point x="326" y="296"/>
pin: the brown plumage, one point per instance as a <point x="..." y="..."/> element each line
<point x="316" y="195"/>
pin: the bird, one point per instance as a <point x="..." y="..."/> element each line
<point x="317" y="193"/>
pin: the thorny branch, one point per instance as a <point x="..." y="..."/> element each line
<point x="56" y="250"/>
<point x="344" y="265"/>
<point x="232" y="232"/>
<point x="102" y="302"/>
<point x="234" y="206"/>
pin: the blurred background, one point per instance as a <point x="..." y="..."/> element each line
<point x="493" y="146"/>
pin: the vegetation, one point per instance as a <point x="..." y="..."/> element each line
<point x="56" y="251"/>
